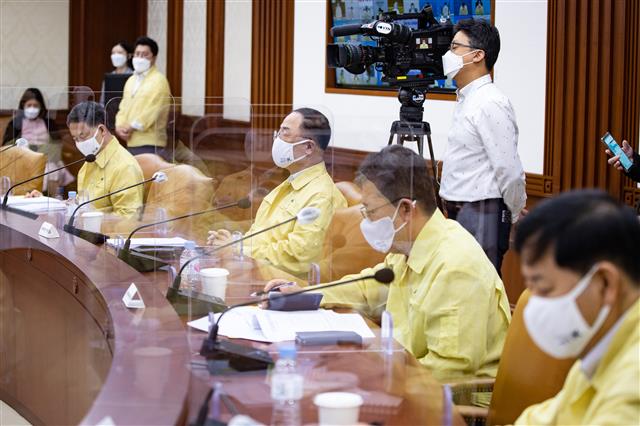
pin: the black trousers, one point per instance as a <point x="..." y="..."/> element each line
<point x="489" y="221"/>
<point x="145" y="149"/>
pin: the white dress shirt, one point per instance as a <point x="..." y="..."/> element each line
<point x="481" y="161"/>
<point x="591" y="360"/>
<point x="139" y="76"/>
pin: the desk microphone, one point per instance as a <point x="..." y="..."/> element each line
<point x="96" y="237"/>
<point x="20" y="142"/>
<point x="144" y="263"/>
<point x="89" y="159"/>
<point x="201" y="304"/>
<point x="244" y="358"/>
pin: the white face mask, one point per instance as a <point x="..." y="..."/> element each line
<point x="282" y="152"/>
<point x="31" y="112"/>
<point x="118" y="59"/>
<point x="452" y="63"/>
<point x="140" y="65"/>
<point x="556" y="324"/>
<point x="380" y="234"/>
<point x="89" y="146"/>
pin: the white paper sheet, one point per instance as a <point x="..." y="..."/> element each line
<point x="155" y="242"/>
<point x="276" y="326"/>
<point x="36" y="204"/>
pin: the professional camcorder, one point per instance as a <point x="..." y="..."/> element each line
<point x="400" y="48"/>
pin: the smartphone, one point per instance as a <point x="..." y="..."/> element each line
<point x="615" y="149"/>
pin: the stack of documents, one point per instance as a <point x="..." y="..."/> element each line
<point x="36" y="204"/>
<point x="276" y="326"/>
<point x="152" y="242"/>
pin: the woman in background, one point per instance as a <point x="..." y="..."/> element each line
<point x="121" y="55"/>
<point x="31" y="122"/>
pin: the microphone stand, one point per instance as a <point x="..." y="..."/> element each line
<point x="96" y="237"/>
<point x="145" y="263"/>
<point x="30" y="215"/>
<point x="199" y="304"/>
<point x="243" y="358"/>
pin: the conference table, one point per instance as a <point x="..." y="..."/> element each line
<point x="71" y="352"/>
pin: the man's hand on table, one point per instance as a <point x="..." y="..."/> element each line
<point x="33" y="194"/>
<point x="220" y="238"/>
<point x="284" y="286"/>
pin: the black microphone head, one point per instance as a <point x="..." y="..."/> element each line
<point x="384" y="275"/>
<point x="244" y="203"/>
<point x="90" y="158"/>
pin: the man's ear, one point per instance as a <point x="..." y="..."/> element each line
<point x="478" y="56"/>
<point x="406" y="209"/>
<point x="311" y="146"/>
<point x="612" y="282"/>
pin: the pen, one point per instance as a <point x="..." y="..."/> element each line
<point x="274" y="288"/>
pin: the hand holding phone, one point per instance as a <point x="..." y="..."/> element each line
<point x="616" y="151"/>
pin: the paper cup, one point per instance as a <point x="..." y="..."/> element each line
<point x="92" y="221"/>
<point x="338" y="408"/>
<point x="214" y="281"/>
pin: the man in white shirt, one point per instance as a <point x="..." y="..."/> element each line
<point x="483" y="183"/>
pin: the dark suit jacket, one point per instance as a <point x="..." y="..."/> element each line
<point x="634" y="171"/>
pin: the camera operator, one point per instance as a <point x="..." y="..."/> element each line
<point x="483" y="182"/>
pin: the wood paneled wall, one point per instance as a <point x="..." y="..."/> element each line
<point x="214" y="85"/>
<point x="175" y="14"/>
<point x="95" y="26"/>
<point x="592" y="87"/>
<point x="271" y="62"/>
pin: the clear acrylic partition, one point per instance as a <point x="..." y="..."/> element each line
<point x="239" y="158"/>
<point x="66" y="299"/>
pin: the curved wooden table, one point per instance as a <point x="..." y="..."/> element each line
<point x="70" y="351"/>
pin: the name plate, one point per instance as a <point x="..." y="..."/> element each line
<point x="130" y="300"/>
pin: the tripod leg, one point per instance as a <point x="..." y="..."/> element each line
<point x="434" y="168"/>
<point x="390" y="139"/>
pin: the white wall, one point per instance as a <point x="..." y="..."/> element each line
<point x="237" y="59"/>
<point x="521" y="72"/>
<point x="157" y="29"/>
<point x="194" y="56"/>
<point x="362" y="122"/>
<point x="34" y="50"/>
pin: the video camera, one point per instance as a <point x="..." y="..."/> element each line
<point x="400" y="48"/>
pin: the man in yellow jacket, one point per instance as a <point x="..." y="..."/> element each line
<point x="580" y="259"/>
<point x="448" y="304"/>
<point x="113" y="169"/>
<point x="142" y="116"/>
<point x="299" y="147"/>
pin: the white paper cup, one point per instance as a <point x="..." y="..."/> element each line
<point x="214" y="281"/>
<point x="152" y="364"/>
<point x="92" y="221"/>
<point x="338" y="408"/>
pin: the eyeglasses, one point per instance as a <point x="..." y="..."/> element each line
<point x="285" y="133"/>
<point x="366" y="213"/>
<point x="454" y="45"/>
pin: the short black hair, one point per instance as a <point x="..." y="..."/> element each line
<point x="315" y="125"/>
<point x="33" y="93"/>
<point x="147" y="41"/>
<point x="582" y="228"/>
<point x="398" y="172"/>
<point x="88" y="112"/>
<point x="482" y="35"/>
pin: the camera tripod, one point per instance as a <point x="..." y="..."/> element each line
<point x="411" y="128"/>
